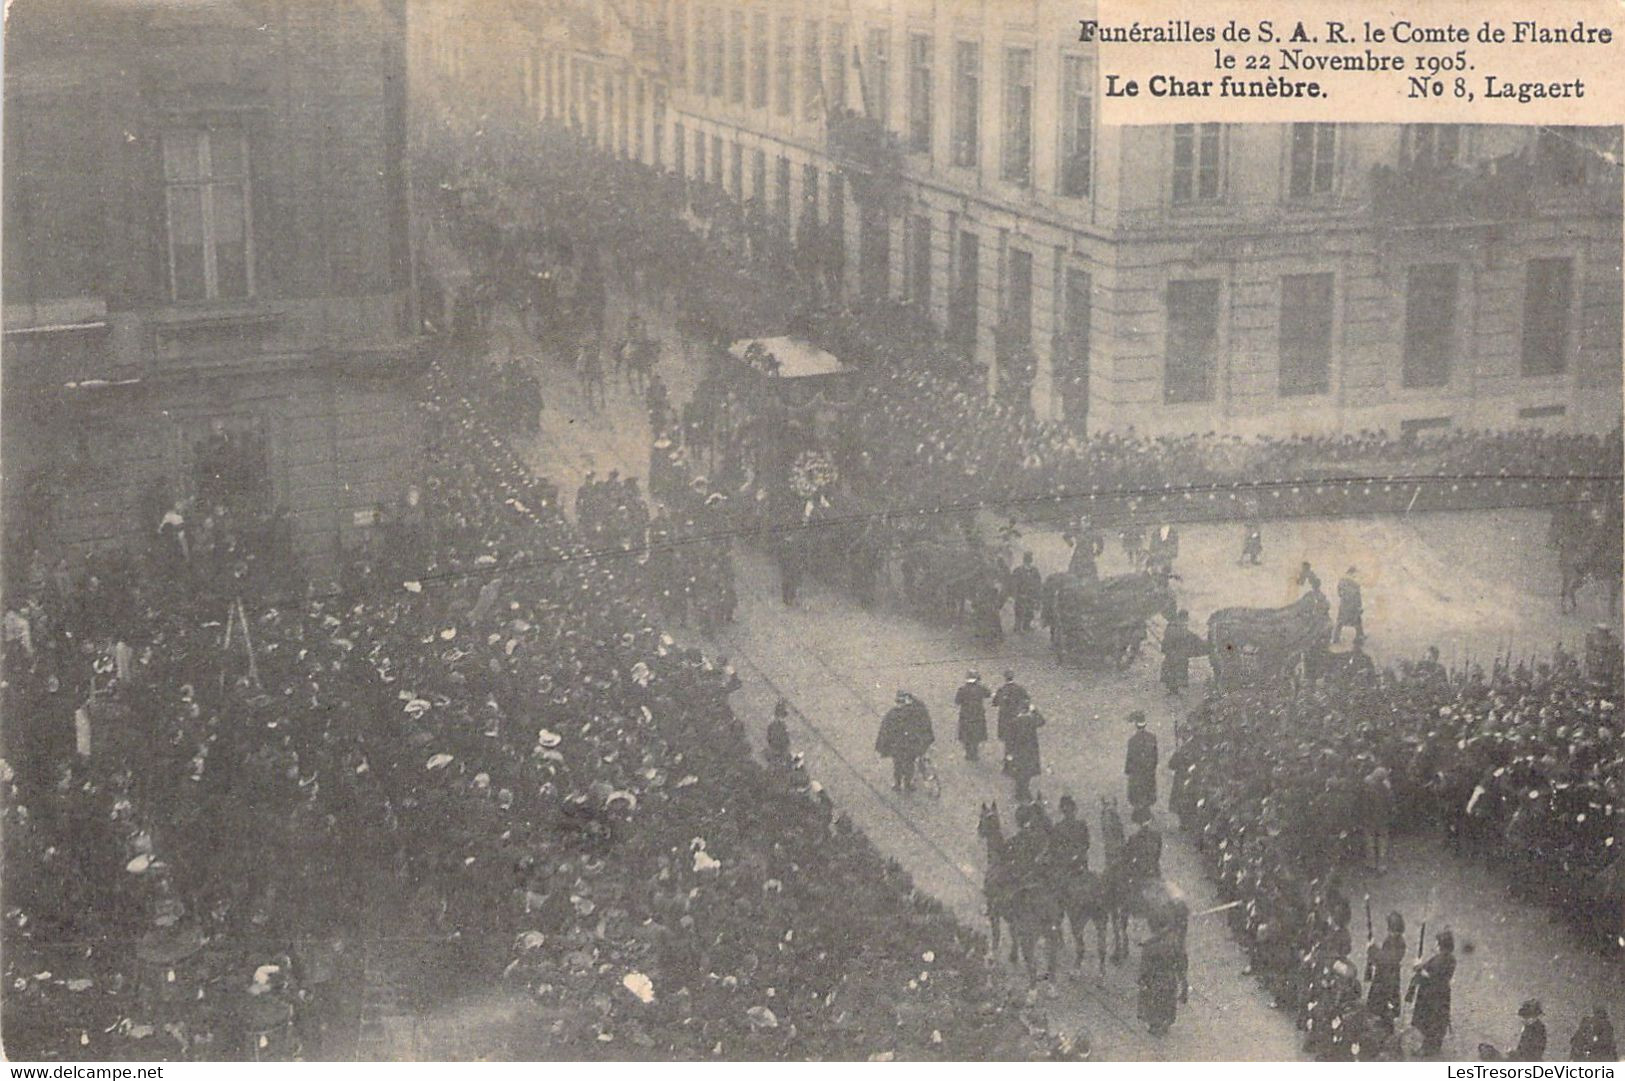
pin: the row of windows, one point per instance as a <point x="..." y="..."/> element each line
<point x="1430" y="342"/>
<point x="1198" y="158"/>
<point x="1198" y="151"/>
<point x="730" y="62"/>
<point x="703" y="62"/>
<point x="1305" y="328"/>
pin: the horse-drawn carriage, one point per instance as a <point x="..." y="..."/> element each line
<point x="792" y="397"/>
<point x="1248" y="645"/>
<point x="1103" y="622"/>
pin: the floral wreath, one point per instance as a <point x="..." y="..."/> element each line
<point x="811" y="475"/>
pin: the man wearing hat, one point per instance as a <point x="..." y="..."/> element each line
<point x="1350" y="607"/>
<point x="1026" y="587"/>
<point x="1070" y="839"/>
<point x="1009" y="700"/>
<point x="1140" y="767"/>
<point x="971" y="698"/>
<point x="1179" y="645"/>
<point x="1021" y="749"/>
<point x="1531" y="1038"/>
<point x="905" y="734"/>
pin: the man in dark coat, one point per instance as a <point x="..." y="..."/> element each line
<point x="987" y="606"/>
<point x="1021" y="749"/>
<point x="1162" y="960"/>
<point x="1430" y="988"/>
<point x="1594" y="1039"/>
<point x="1179" y="645"/>
<point x="1383" y="963"/>
<point x="1070" y="838"/>
<point x="1009" y="700"/>
<point x="1140" y="767"/>
<point x="971" y="698"/>
<point x="905" y="734"/>
<point x="1164" y="548"/>
<point x="1027" y="588"/>
<point x="778" y="736"/>
<point x="1350" y="608"/>
<point x="1142" y="855"/>
<point x="1531" y="1038"/>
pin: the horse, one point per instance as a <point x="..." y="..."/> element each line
<point x="1589" y="549"/>
<point x="945" y="578"/>
<point x="1029" y="906"/>
<point x="1084" y="900"/>
<point x="1157" y="901"/>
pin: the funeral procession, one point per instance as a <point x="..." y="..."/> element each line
<point x="739" y="530"/>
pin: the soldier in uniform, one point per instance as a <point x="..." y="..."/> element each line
<point x="1384" y="963"/>
<point x="1140" y="767"/>
<point x="971" y="698"/>
<point x="1026" y="587"/>
<point x="1430" y="989"/>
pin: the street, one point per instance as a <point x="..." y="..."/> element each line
<point x="839" y="666"/>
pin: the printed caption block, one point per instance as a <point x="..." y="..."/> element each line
<point x="1434" y="61"/>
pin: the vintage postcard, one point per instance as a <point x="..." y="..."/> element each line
<point x="812" y="530"/>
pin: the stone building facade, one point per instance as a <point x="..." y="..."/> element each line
<point x="1250" y="279"/>
<point x="207" y="251"/>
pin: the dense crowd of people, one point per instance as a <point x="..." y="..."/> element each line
<point x="206" y="795"/>
<point x="922" y="413"/>
<point x="1286" y="786"/>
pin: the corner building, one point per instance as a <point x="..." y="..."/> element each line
<point x="207" y="264"/>
<point x="1250" y="279"/>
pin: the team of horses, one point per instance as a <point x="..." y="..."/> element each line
<point x="1036" y="903"/>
